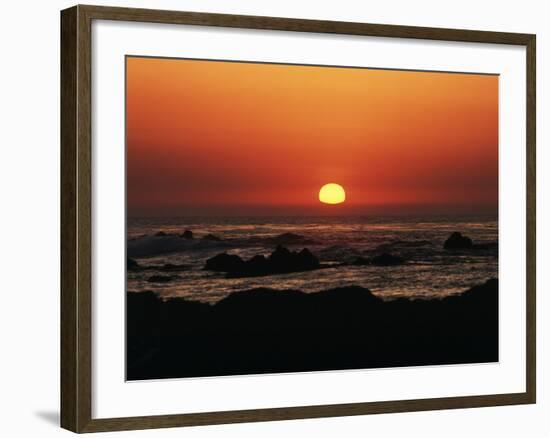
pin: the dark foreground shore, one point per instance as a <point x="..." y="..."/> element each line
<point x="268" y="331"/>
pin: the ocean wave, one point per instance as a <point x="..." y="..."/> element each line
<point x="147" y="246"/>
<point x="165" y="243"/>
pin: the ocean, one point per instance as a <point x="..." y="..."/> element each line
<point x="429" y="270"/>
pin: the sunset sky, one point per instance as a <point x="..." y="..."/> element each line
<point x="232" y="138"/>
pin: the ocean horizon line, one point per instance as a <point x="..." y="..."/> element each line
<point x="323" y="216"/>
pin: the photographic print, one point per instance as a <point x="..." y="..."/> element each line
<point x="298" y="218"/>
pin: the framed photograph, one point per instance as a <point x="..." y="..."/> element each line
<point x="271" y="218"/>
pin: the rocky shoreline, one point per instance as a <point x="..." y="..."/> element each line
<point x="271" y="331"/>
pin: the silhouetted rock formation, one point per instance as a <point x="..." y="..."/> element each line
<point x="132" y="265"/>
<point x="187" y="234"/>
<point x="224" y="263"/>
<point x="383" y="259"/>
<point x="161" y="234"/>
<point x="280" y="261"/>
<point x="457" y="241"/>
<point x="270" y="331"/>
<point x="361" y="261"/>
<point x="386" y="259"/>
<point x="212" y="238"/>
<point x="284" y="260"/>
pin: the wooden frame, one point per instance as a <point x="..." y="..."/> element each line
<point x="76" y="321"/>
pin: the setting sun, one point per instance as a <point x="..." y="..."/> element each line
<point x="332" y="194"/>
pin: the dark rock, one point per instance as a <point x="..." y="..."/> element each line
<point x="361" y="261"/>
<point x="260" y="300"/>
<point x="258" y="263"/>
<point x="482" y="295"/>
<point x="187" y="234"/>
<point x="224" y="263"/>
<point x="132" y="265"/>
<point x="383" y="259"/>
<point x="306" y="260"/>
<point x="275" y="331"/>
<point x="280" y="261"/>
<point x="160" y="279"/>
<point x="280" y="255"/>
<point x="161" y="234"/>
<point x="284" y="260"/>
<point x="386" y="259"/>
<point x="457" y="241"/>
<point x="212" y="237"/>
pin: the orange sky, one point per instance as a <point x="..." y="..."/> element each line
<point x="230" y="138"/>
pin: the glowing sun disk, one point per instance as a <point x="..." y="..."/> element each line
<point x="332" y="194"/>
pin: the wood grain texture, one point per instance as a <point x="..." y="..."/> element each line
<point x="84" y="219"/>
<point x="76" y="222"/>
<point x="300" y="25"/>
<point x="303" y="412"/>
<point x="69" y="328"/>
<point x="531" y="308"/>
<point x="76" y="251"/>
